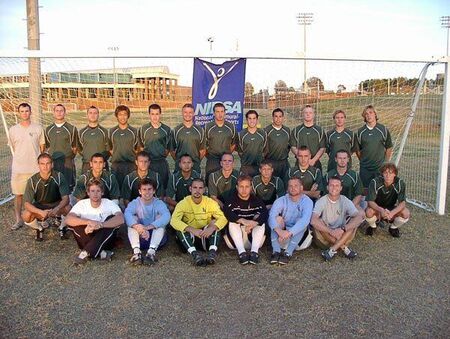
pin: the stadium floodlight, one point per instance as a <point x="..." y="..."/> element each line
<point x="211" y="40"/>
<point x="445" y="23"/>
<point x="304" y="19"/>
<point x="114" y="49"/>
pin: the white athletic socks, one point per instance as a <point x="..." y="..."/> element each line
<point x="83" y="255"/>
<point x="136" y="250"/>
<point x="398" y="221"/>
<point x="346" y="250"/>
<point x="372" y="221"/>
<point x="151" y="251"/>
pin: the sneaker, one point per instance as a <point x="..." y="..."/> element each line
<point x="211" y="257"/>
<point x="370" y="230"/>
<point x="328" y="254"/>
<point x="349" y="253"/>
<point x="149" y="259"/>
<point x="77" y="261"/>
<point x="17" y="225"/>
<point x="197" y="259"/>
<point x="39" y="235"/>
<point x="254" y="258"/>
<point x="136" y="259"/>
<point x="274" y="258"/>
<point x="243" y="258"/>
<point x="62" y="232"/>
<point x="106" y="255"/>
<point x="284" y="258"/>
<point x="395" y="232"/>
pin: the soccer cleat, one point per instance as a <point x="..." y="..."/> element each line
<point x="274" y="258"/>
<point x="39" y="235"/>
<point x="197" y="259"/>
<point x="136" y="259"/>
<point x="17" y="225"/>
<point x="149" y="259"/>
<point x="243" y="258"/>
<point x="284" y="258"/>
<point x="349" y="253"/>
<point x="254" y="258"/>
<point x="106" y="255"/>
<point x="328" y="254"/>
<point x="62" y="232"/>
<point x="395" y="232"/>
<point x="370" y="230"/>
<point x="211" y="257"/>
<point x="77" y="261"/>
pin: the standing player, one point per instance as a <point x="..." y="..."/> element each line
<point x="154" y="137"/>
<point x="27" y="141"/>
<point x="252" y="144"/>
<point x="123" y="143"/>
<point x="222" y="183"/>
<point x="267" y="186"/>
<point x="188" y="138"/>
<point x="179" y="182"/>
<point x="93" y="139"/>
<point x="46" y="198"/>
<point x="374" y="146"/>
<point x="310" y="135"/>
<point x="340" y="138"/>
<point x="221" y="137"/>
<point x="61" y="140"/>
<point x="130" y="186"/>
<point x="387" y="201"/>
<point x="278" y="143"/>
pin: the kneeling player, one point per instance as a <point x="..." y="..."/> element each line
<point x="335" y="220"/>
<point x="387" y="201"/>
<point x="147" y="218"/>
<point x="46" y="198"/>
<point x="247" y="215"/>
<point x="93" y="222"/>
<point x="198" y="220"/>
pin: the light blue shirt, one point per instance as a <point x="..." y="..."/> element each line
<point x="156" y="213"/>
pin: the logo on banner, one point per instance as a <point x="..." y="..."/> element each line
<point x="216" y="78"/>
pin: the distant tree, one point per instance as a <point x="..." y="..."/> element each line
<point x="249" y="89"/>
<point x="280" y="86"/>
<point x="314" y="83"/>
<point x="291" y="89"/>
<point x="341" y="88"/>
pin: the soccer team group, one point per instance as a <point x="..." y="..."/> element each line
<point x="126" y="184"/>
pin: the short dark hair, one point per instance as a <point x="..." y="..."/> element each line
<point x="296" y="178"/>
<point x="343" y="151"/>
<point x="304" y="148"/>
<point x="218" y="104"/>
<point x="93" y="107"/>
<point x="226" y="153"/>
<point x="252" y="111"/>
<point x="154" y="106"/>
<point x="336" y="112"/>
<point x="147" y="181"/>
<point x="265" y="162"/>
<point x="187" y="105"/>
<point x="335" y="177"/>
<point x="24" y="104"/>
<point x="97" y="155"/>
<point x="184" y="155"/>
<point x="244" y="177"/>
<point x="121" y="108"/>
<point x="278" y="109"/>
<point x="198" y="180"/>
<point x="95" y="182"/>
<point x="143" y="154"/>
<point x="59" y="105"/>
<point x="44" y="155"/>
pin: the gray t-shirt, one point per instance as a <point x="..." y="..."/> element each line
<point x="334" y="213"/>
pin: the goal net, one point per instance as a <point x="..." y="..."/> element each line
<point x="391" y="87"/>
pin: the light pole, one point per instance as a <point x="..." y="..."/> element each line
<point x="211" y="40"/>
<point x="114" y="49"/>
<point x="445" y="23"/>
<point x="304" y="19"/>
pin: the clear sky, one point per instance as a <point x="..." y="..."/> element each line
<point x="346" y="28"/>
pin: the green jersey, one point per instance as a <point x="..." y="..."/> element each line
<point x="110" y="185"/>
<point x="219" y="139"/>
<point x="93" y="140"/>
<point x="277" y="143"/>
<point x="373" y="143"/>
<point x="130" y="190"/>
<point x="309" y="177"/>
<point x="46" y="191"/>
<point x="60" y="140"/>
<point x="312" y="137"/>
<point x="336" y="141"/>
<point x="351" y="183"/>
<point x="387" y="197"/>
<point x="156" y="141"/>
<point x="188" y="140"/>
<point x="222" y="187"/>
<point x="251" y="146"/>
<point x="268" y="193"/>
<point x="123" y="143"/>
<point x="178" y="187"/>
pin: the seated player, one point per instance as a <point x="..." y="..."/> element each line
<point x="247" y="216"/>
<point x="130" y="190"/>
<point x="222" y="183"/>
<point x="352" y="187"/>
<point x="98" y="171"/>
<point x="335" y="220"/>
<point x="147" y="218"/>
<point x="180" y="181"/>
<point x="94" y="222"/>
<point x="198" y="220"/>
<point x="46" y="198"/>
<point x="266" y="186"/>
<point x="311" y="177"/>
<point x="387" y="201"/>
<point x="289" y="218"/>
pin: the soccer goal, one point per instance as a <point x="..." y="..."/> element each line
<point x="408" y="96"/>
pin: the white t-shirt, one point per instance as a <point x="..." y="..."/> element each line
<point x="335" y="213"/>
<point x="84" y="209"/>
<point x="25" y="143"/>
